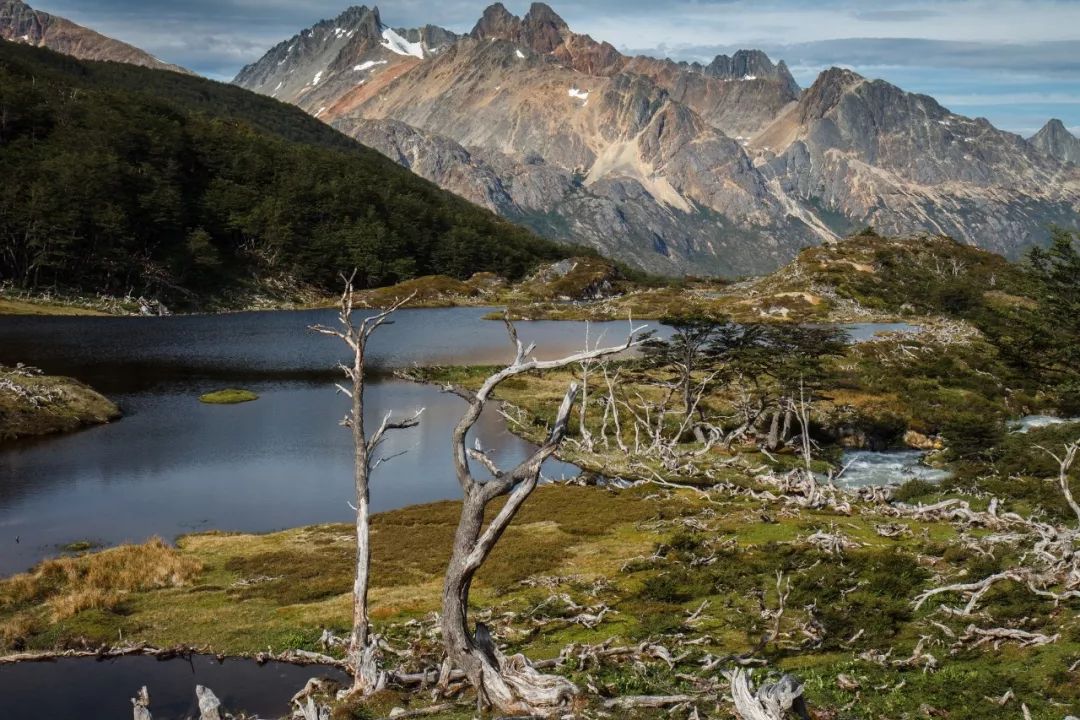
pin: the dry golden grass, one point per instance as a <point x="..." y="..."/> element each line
<point x="67" y="586"/>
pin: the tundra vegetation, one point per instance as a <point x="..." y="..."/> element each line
<point x="717" y="566"/>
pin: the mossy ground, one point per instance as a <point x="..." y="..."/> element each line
<point x="34" y="404"/>
<point x="229" y="396"/>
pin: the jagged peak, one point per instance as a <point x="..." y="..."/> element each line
<point x="496" y="22"/>
<point x="542" y="15"/>
<point x="749" y="65"/>
<point x="1054" y="126"/>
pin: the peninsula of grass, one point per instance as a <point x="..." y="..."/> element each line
<point x="33" y="404"/>
<point x="229" y="396"/>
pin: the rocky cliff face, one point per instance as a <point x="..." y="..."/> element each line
<point x="866" y="151"/>
<point x="21" y="23"/>
<point x="1056" y="141"/>
<point x="341" y="60"/>
<point x="726" y="168"/>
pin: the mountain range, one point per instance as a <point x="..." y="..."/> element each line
<point x="726" y="168"/>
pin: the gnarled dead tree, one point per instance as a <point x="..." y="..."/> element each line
<point x="363" y="650"/>
<point x="771" y="701"/>
<point x="511" y="685"/>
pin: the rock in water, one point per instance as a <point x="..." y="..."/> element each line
<point x="209" y="705"/>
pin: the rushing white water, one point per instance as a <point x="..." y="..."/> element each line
<point x="1033" y="422"/>
<point x="865" y="467"/>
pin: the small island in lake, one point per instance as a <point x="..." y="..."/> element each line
<point x="229" y="396"/>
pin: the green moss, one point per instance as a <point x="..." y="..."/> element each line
<point x="230" y="396"/>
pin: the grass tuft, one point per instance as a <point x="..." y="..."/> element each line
<point x="229" y="396"/>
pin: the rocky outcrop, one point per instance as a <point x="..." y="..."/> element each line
<point x="21" y="23"/>
<point x="727" y="168"/>
<point x="750" y="65"/>
<point x="1057" y="142"/>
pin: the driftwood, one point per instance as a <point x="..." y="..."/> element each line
<point x="635" y="702"/>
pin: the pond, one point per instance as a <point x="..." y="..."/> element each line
<point x="91" y="689"/>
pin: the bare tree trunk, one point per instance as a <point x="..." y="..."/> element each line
<point x="363" y="649"/>
<point x="773" y="440"/>
<point x="511" y="685"/>
<point x="1065" y="464"/>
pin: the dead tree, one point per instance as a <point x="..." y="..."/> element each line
<point x="771" y="701"/>
<point x="363" y="649"/>
<point x="511" y="685"/>
<point x="1065" y="463"/>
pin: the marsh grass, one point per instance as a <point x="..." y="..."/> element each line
<point x="59" y="589"/>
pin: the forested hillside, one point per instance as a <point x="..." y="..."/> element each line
<point x="120" y="179"/>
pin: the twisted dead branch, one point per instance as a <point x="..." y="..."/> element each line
<point x="510" y="684"/>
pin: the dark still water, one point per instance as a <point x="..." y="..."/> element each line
<point x="174" y="465"/>
<point x="89" y="689"/>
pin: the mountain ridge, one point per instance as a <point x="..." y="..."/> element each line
<point x="21" y="23"/>
<point x="726" y="168"/>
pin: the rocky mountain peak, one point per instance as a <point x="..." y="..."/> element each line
<point x="751" y="65"/>
<point x="827" y="90"/>
<point x="497" y="22"/>
<point x="1055" y="140"/>
<point x="542" y="20"/>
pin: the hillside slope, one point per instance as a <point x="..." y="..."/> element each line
<point x="125" y="180"/>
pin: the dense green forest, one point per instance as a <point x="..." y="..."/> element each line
<point x="119" y="179"/>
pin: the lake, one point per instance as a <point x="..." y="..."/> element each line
<point x="173" y="465"/>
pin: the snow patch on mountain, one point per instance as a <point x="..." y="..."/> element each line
<point x="397" y="44"/>
<point x="368" y="64"/>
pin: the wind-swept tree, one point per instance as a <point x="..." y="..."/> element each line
<point x="363" y="648"/>
<point x="511" y="685"/>
<point x="793" y="357"/>
<point x="688" y="351"/>
<point x="1053" y="331"/>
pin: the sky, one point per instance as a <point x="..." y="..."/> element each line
<point x="1016" y="62"/>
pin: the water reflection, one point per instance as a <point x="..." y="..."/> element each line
<point x="89" y="689"/>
